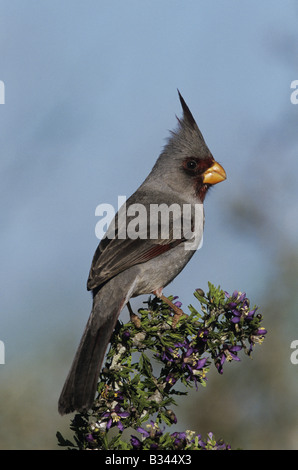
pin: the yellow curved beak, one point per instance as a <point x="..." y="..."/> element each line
<point x="215" y="174"/>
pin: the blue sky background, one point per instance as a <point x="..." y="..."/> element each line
<point x="90" y="97"/>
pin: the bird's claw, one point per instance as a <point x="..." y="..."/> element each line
<point x="178" y="313"/>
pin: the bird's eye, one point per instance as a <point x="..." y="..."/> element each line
<point x="191" y="164"/>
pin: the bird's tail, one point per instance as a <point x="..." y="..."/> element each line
<point x="80" y="386"/>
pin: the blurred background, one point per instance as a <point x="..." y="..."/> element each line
<point x="90" y="97"/>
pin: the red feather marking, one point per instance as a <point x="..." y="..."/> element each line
<point x="156" y="250"/>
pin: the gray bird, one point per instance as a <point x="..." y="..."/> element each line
<point x="144" y="261"/>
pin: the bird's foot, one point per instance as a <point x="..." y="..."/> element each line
<point x="133" y="317"/>
<point x="178" y="313"/>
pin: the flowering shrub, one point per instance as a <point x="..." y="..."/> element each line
<point x="146" y="361"/>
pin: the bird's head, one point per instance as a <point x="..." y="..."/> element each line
<point x="186" y="162"/>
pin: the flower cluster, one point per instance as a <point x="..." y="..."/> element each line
<point x="189" y="439"/>
<point x="131" y="391"/>
<point x="227" y="353"/>
<point x="152" y="434"/>
<point x="245" y="324"/>
<point x="183" y="360"/>
<point x="114" y="416"/>
<point x="238" y="304"/>
<point x="153" y="438"/>
<point x="257" y="337"/>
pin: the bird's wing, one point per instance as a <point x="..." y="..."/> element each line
<point x="114" y="255"/>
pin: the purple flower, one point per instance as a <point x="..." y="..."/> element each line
<point x="170" y="355"/>
<point x="135" y="442"/>
<point x="177" y="303"/>
<point x="193" y="365"/>
<point x="257" y="337"/>
<point x="203" y="335"/>
<point x="115" y="416"/>
<point x="180" y="440"/>
<point x="154" y="430"/>
<point x="237" y="298"/>
<point x="143" y="432"/>
<point x="247" y="315"/>
<point x="188" y="360"/>
<point x="126" y="335"/>
<point x="201" y="443"/>
<point x="229" y="354"/>
<point x="171" y="379"/>
<point x="118" y="396"/>
<point x="184" y="355"/>
<point x="239" y="306"/>
<point x="216" y="445"/>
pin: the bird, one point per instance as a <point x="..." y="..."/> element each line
<point x="124" y="267"/>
